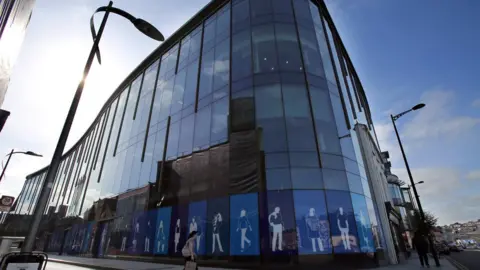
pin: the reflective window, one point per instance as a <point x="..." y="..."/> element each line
<point x="288" y="49"/>
<point x="332" y="162"/>
<point x="242" y="111"/>
<point x="364" y="227"/>
<point x="178" y="91"/>
<point x="327" y="134"/>
<point x="222" y="64"/>
<point x="241" y="55"/>
<point x="240" y="16"/>
<point x="276" y="160"/>
<point x="166" y="102"/>
<point x="342" y="222"/>
<point x="264" y="55"/>
<point x="209" y="34"/>
<point x="186" y="135"/>
<point x="126" y="127"/>
<point x="219" y="124"/>
<point x="311" y="54"/>
<point x="304" y="159"/>
<point x="307" y="178"/>
<point x="278" y="179"/>
<point x="339" y="115"/>
<point x="146" y="166"/>
<point x="261" y="11"/>
<point x="191" y="85"/>
<point x="302" y="13"/>
<point x="202" y="132"/>
<point x="312" y="222"/>
<point x="184" y="52"/>
<point x="173" y="139"/>
<point x="283" y="10"/>
<point x="223" y="23"/>
<point x="206" y="74"/>
<point x="298" y="119"/>
<point x="158" y="152"/>
<point x="269" y="116"/>
<point x="195" y="44"/>
<point x="355" y="183"/>
<point x="334" y="179"/>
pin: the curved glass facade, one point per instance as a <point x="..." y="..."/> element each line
<point x="243" y="129"/>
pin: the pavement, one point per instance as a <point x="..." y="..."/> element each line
<point x="81" y="263"/>
<point x="468" y="259"/>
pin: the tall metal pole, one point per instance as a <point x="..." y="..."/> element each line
<point x="57" y="155"/>
<point x="417" y="198"/>
<point x="6" y="164"/>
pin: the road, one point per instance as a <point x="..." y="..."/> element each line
<point x="469" y="259"/>
<point x="61" y="266"/>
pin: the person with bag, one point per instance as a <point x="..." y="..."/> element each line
<point x="188" y="252"/>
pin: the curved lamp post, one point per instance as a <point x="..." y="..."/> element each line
<point x="412" y="183"/>
<point x="144" y="27"/>
<point x="9" y="155"/>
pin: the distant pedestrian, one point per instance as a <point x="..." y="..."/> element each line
<point x="421" y="245"/>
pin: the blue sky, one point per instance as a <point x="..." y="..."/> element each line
<point x="405" y="52"/>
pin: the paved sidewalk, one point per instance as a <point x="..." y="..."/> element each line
<point x="414" y="263"/>
<point x="116" y="264"/>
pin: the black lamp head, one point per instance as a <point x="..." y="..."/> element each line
<point x="148" y="29"/>
<point x="418" y="106"/>
<point x="420" y="182"/>
<point x="30" y="153"/>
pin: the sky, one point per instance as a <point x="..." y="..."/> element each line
<point x="405" y="52"/>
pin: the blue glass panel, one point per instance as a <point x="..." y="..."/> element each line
<point x="218" y="223"/>
<point x="281" y="222"/>
<point x="313" y="229"/>
<point x="191" y="84"/>
<point x="342" y="218"/>
<point x="241" y="55"/>
<point x="244" y="230"/>
<point x="307" y="178"/>
<point x="276" y="160"/>
<point x="222" y="65"/>
<point x="265" y="59"/>
<point x="219" y="128"/>
<point x="202" y="131"/>
<point x="137" y="234"/>
<point x="206" y="74"/>
<point x="364" y="227"/>
<point x="278" y="179"/>
<point x="178" y="229"/>
<point x="186" y="135"/>
<point x="162" y="230"/>
<point x="197" y="221"/>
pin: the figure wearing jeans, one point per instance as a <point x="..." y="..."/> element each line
<point x="313" y="230"/>
<point x="276" y="222"/>
<point x="243" y="225"/>
<point x="342" y="222"/>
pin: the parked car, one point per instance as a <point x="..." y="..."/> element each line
<point x="455" y="248"/>
<point x="442" y="248"/>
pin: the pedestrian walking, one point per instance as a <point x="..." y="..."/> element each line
<point x="188" y="252"/>
<point x="421" y="245"/>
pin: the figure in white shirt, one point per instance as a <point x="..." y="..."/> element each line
<point x="344" y="227"/>
<point x="135" y="232"/>
<point x="276" y="222"/>
<point x="124" y="240"/>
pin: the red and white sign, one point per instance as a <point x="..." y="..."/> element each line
<point x="6" y="203"/>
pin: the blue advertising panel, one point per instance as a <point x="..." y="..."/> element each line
<point x="197" y="215"/>
<point x="162" y="231"/>
<point x="150" y="228"/>
<point x="342" y="222"/>
<point x="364" y="227"/>
<point x="103" y="230"/>
<point x="313" y="229"/>
<point x="218" y="227"/>
<point x="138" y="233"/>
<point x="87" y="232"/>
<point x="178" y="229"/>
<point x="244" y="229"/>
<point x="281" y="222"/>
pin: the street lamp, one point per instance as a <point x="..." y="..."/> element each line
<point x="412" y="183"/>
<point x="28" y="153"/>
<point x="144" y="27"/>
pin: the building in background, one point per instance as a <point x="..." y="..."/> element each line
<point x="14" y="18"/>
<point x="243" y="126"/>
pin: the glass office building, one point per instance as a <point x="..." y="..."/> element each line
<point x="240" y="126"/>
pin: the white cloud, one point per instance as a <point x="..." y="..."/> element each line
<point x="473" y="175"/>
<point x="437" y="118"/>
<point x="476" y="103"/>
<point x="441" y="193"/>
